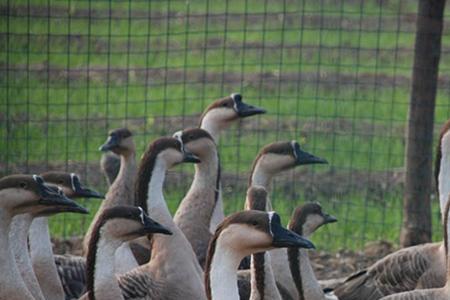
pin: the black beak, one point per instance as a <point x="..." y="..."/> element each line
<point x="245" y="110"/>
<point x="81" y="191"/>
<point x="55" y="197"/>
<point x="305" y="158"/>
<point x="190" y="157"/>
<point x="329" y="218"/>
<point x="283" y="237"/>
<point x="151" y="226"/>
<point x="110" y="143"/>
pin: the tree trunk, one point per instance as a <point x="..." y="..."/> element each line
<point x="416" y="228"/>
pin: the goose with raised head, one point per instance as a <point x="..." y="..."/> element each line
<point x="275" y="158"/>
<point x="306" y="220"/>
<point x="195" y="211"/>
<point x="241" y="234"/>
<point x="22" y="194"/>
<point x="18" y="236"/>
<point x="422" y="266"/>
<point x="41" y="251"/>
<point x="442" y="293"/>
<point x="173" y="271"/>
<point x="121" y="192"/>
<point x="271" y="160"/>
<point x="114" y="226"/>
<point x="218" y="116"/>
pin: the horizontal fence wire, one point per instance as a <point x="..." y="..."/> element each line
<point x="333" y="75"/>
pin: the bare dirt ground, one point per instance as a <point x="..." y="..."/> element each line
<point x="326" y="265"/>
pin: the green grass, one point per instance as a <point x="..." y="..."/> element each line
<point x="332" y="74"/>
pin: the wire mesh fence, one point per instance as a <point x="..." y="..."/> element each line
<point x="333" y="75"/>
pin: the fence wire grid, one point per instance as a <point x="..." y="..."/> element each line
<point x="333" y="75"/>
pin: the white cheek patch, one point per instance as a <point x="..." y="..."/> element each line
<point x="293" y="143"/>
<point x="178" y="135"/>
<point x="270" y="214"/>
<point x="141" y="215"/>
<point x="72" y="178"/>
<point x="36" y="178"/>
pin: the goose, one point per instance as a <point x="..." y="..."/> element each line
<point x="218" y="116"/>
<point x="195" y="211"/>
<point x="173" y="271"/>
<point x="18" y="237"/>
<point x="271" y="160"/>
<point x="114" y="226"/>
<point x="42" y="258"/>
<point x="442" y="293"/>
<point x="422" y="266"/>
<point x="306" y="220"/>
<point x="22" y="194"/>
<point x="239" y="235"/>
<point x="121" y="192"/>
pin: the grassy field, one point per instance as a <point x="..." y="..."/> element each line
<point x="333" y="75"/>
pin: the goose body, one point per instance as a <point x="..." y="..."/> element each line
<point x="421" y="266"/>
<point x="23" y="194"/>
<point x="442" y="293"/>
<point x="239" y="235"/>
<point x="195" y="211"/>
<point x="173" y="271"/>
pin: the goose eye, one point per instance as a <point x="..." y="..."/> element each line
<point x="23" y="185"/>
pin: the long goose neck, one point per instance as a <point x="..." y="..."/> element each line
<point x="206" y="183"/>
<point x="209" y="124"/>
<point x="18" y="237"/>
<point x="7" y="262"/>
<point x="156" y="204"/>
<point x="263" y="284"/>
<point x="42" y="259"/>
<point x="101" y="279"/>
<point x="261" y="176"/>
<point x="303" y="274"/>
<point x="444" y="173"/>
<point x="222" y="273"/>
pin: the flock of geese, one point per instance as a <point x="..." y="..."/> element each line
<point x="135" y="248"/>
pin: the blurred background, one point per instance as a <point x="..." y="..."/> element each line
<point x="333" y="75"/>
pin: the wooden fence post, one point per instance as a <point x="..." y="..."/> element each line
<point x="416" y="227"/>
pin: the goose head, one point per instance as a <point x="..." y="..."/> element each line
<point x="223" y="112"/>
<point x="280" y="156"/>
<point x="70" y="184"/>
<point x="29" y="194"/>
<point x="197" y="141"/>
<point x="120" y="141"/>
<point x="126" y="223"/>
<point x="308" y="218"/>
<point x="254" y="231"/>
